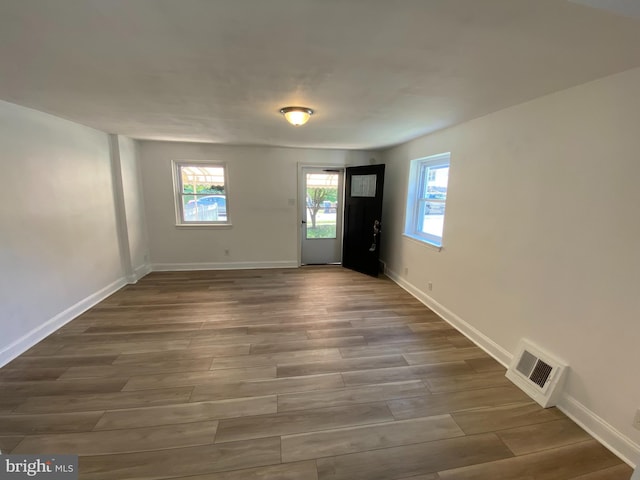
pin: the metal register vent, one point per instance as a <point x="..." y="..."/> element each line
<point x="534" y="369"/>
<point x="540" y="375"/>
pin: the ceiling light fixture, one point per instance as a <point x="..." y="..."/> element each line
<point x="296" y="116"/>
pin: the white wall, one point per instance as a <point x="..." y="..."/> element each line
<point x="58" y="243"/>
<point x="133" y="205"/>
<point x="262" y="185"/>
<point x="542" y="240"/>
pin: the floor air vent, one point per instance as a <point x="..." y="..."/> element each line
<point x="537" y="373"/>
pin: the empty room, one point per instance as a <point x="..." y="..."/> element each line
<point x="319" y="239"/>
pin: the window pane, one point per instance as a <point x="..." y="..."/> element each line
<point x="432" y="221"/>
<point x="202" y="179"/>
<point x="322" y="202"/>
<point x="435" y="183"/>
<point x="363" y="185"/>
<point x="426" y="199"/>
<point x="204" y="208"/>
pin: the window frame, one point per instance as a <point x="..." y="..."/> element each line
<point x="420" y="169"/>
<point x="176" y="166"/>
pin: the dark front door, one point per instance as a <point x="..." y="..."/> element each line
<point x="363" y="218"/>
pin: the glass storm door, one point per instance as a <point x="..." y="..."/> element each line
<point x="321" y="200"/>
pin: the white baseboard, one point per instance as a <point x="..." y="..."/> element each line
<point x="138" y="273"/>
<point x="477" y="337"/>
<point x="618" y="443"/>
<point x="606" y="434"/>
<point x="42" y="331"/>
<point x="178" y="267"/>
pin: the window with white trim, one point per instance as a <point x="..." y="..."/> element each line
<point x="427" y="198"/>
<point x="201" y="193"/>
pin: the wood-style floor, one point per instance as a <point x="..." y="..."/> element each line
<point x="304" y="374"/>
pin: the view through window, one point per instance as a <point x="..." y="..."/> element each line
<point x="427" y="198"/>
<point x="202" y="195"/>
<point x="322" y="203"/>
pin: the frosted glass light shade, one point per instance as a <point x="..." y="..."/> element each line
<point x="296" y="116"/>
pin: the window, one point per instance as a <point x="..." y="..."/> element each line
<point x="201" y="193"/>
<point x="427" y="198"/>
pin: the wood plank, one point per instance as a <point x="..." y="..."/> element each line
<point x="619" y="472"/>
<point x="426" y="338"/>
<point x="486" y="364"/>
<point x="105" y="401"/>
<point x="342" y="441"/>
<point x="293" y="326"/>
<point x="441" y="356"/>
<point x="189" y="365"/>
<point x="441" y="403"/>
<point x="412" y="372"/>
<point x="123" y="347"/>
<point x="490" y="419"/>
<point x="254" y="388"/>
<point x="394" y="348"/>
<point x="347" y="365"/>
<point x="285" y="471"/>
<point x="187" y="412"/>
<point x="117" y="338"/>
<point x="353" y="331"/>
<point x="255" y="360"/>
<point x="61" y="387"/>
<point x="350" y="396"/>
<point x="416" y="459"/>
<point x="556" y="464"/>
<point x="145" y="327"/>
<point x="121" y="441"/>
<point x="536" y="437"/>
<point x="9" y="442"/>
<point x="152" y="358"/>
<point x="426" y="476"/>
<point x="9" y="374"/>
<point x="460" y="341"/>
<point x="48" y="423"/>
<point x="473" y="381"/>
<point x="8" y="404"/>
<point x="45" y="347"/>
<point x="308" y="344"/>
<point x="177" y="462"/>
<point x="205" y="340"/>
<point x="167" y="380"/>
<point x="245" y="428"/>
<point x="62" y="361"/>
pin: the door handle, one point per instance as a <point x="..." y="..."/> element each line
<point x="376" y="229"/>
<point x="304" y="221"/>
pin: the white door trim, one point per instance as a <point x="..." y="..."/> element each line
<point x="301" y="200"/>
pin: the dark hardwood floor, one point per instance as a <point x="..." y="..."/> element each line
<point x="303" y="374"/>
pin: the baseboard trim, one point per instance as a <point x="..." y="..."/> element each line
<point x="619" y="444"/>
<point x="41" y="332"/>
<point x="477" y="337"/>
<point x="179" y="267"/>
<point x="138" y="273"/>
<point x="611" y="438"/>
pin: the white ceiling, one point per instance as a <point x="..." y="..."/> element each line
<point x="377" y="72"/>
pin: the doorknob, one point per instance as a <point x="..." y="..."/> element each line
<point x="376" y="229"/>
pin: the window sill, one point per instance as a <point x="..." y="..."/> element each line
<point x="204" y="225"/>
<point x="423" y="242"/>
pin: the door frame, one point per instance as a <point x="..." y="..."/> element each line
<point x="302" y="200"/>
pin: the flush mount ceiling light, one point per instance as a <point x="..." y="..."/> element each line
<point x="296" y="116"/>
